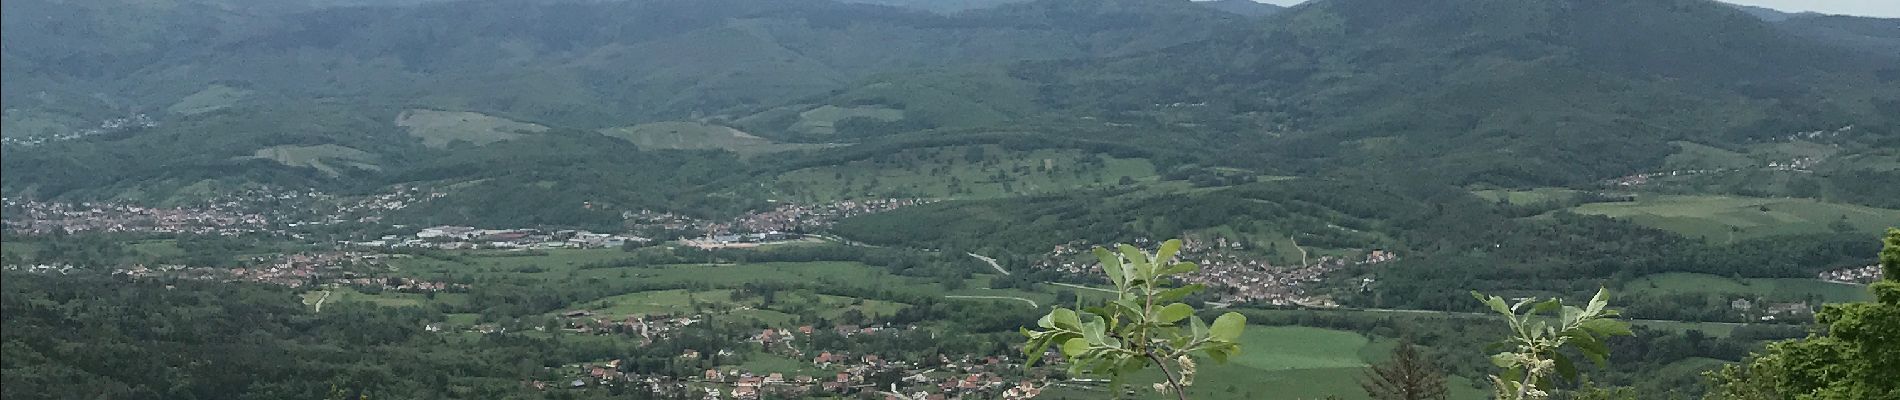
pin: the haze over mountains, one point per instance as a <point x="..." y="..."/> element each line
<point x="591" y="199"/>
<point x="1570" y="91"/>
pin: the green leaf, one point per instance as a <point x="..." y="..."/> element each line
<point x="1181" y="268"/>
<point x="1504" y="360"/>
<point x="1607" y="327"/>
<point x="1172" y="313"/>
<point x="1095" y="331"/>
<point x="1075" y="347"/>
<point x="1112" y="265"/>
<point x="1178" y="293"/>
<point x="1047" y="321"/>
<point x="1571" y="315"/>
<point x="1496" y="303"/>
<point x="1142" y="268"/>
<point x="1547" y="306"/>
<point x="1592" y="348"/>
<point x="1197" y="327"/>
<point x="1565" y="368"/>
<point x="1218" y="354"/>
<point x="1167" y="250"/>
<point x="1227" y="327"/>
<point x="1602" y="299"/>
<point x="1066" y="319"/>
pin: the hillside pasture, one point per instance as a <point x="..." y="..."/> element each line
<point x="439" y="128"/>
<point x="783" y="306"/>
<point x="212" y="98"/>
<point x="326" y="158"/>
<point x="824" y="119"/>
<point x="1728" y="218"/>
<point x="1278" y="362"/>
<point x="1771" y="288"/>
<point x="962" y="172"/>
<point x="687" y="135"/>
<point x="1528" y="196"/>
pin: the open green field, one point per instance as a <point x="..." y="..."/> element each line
<point x="570" y="262"/>
<point x="1531" y="196"/>
<point x="784" y="306"/>
<point x="824" y="119"/>
<point x="212" y="98"/>
<point x="387" y="299"/>
<point x="17" y="249"/>
<point x="439" y="128"/>
<point x="687" y="135"/>
<point x="327" y="158"/>
<point x="1772" y="288"/>
<point x="1727" y="218"/>
<point x="1690" y="155"/>
<point x="950" y="172"/>
<point x="1280" y="362"/>
<point x="22" y="123"/>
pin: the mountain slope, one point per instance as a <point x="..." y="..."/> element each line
<point x="1509" y="92"/>
<point x="584" y="64"/>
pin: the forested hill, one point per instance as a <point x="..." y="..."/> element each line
<point x="570" y="63"/>
<point x="361" y="95"/>
<point x="1569" y="90"/>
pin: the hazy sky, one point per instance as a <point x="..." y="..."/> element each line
<point x="1871" y="8"/>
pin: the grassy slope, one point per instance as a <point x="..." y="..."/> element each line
<point x="1281" y="362"/>
<point x="439" y="128"/>
<point x="685" y="135"/>
<point x="930" y="173"/>
<point x="1713" y="217"/>
<point x="1771" y="288"/>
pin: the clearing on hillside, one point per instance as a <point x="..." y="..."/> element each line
<point x="688" y="135"/>
<point x="964" y="172"/>
<point x="1726" y="218"/>
<point x="326" y="158"/>
<point x="1530" y="196"/>
<point x="212" y="98"/>
<point x="439" y="128"/>
<point x="1772" y="289"/>
<point x="824" y="120"/>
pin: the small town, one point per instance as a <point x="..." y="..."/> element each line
<point x="115" y="125"/>
<point x="1235" y="275"/>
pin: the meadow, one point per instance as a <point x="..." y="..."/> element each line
<point x="1529" y="196"/>
<point x="686" y="135"/>
<point x="960" y="172"/>
<point x="1771" y="288"/>
<point x="1280" y="362"/>
<point x="440" y="128"/>
<point x="1723" y="219"/>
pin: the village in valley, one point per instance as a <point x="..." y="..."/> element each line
<point x="1233" y="273"/>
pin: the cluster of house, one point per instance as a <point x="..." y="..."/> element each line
<point x="1858" y="275"/>
<point x="649" y="328"/>
<point x="967" y="377"/>
<point x="1237" y="275"/>
<point x="33" y="217"/>
<point x="1770" y="312"/>
<point x="114" y="125"/>
<point x="61" y="269"/>
<point x="1797" y="164"/>
<point x="298" y="270"/>
<point x="1635" y="180"/>
<point x="779" y="223"/>
<point x="800" y="217"/>
<point x="371" y="208"/>
<point x="468" y="237"/>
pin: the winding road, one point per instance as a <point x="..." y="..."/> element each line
<point x="1032" y="303"/>
<point x="992" y="261"/>
<point x="319" y="305"/>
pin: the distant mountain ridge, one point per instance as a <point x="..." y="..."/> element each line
<point x="1475" y="92"/>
